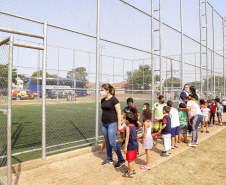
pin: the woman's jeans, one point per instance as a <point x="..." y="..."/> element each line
<point x="195" y="121"/>
<point x="109" y="130"/>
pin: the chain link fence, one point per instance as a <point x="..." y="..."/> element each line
<point x="125" y="61"/>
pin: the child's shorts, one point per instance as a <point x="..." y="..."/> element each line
<point x="166" y="141"/>
<point x="218" y="114"/>
<point x="183" y="129"/>
<point x="174" y="131"/>
<point x="131" y="155"/>
<point x="205" y="118"/>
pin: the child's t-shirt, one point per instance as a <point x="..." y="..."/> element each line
<point x="201" y="107"/>
<point x="175" y="121"/>
<point x="183" y="115"/>
<point x="209" y="107"/>
<point x="213" y="109"/>
<point x="219" y="107"/>
<point x="132" y="144"/>
<point x="166" y="120"/>
<point x="205" y="112"/>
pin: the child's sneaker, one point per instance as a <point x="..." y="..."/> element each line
<point x="202" y="131"/>
<point x="107" y="161"/>
<point x="207" y="131"/>
<point x="120" y="164"/>
<point x="192" y="145"/>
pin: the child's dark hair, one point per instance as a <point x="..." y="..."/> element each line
<point x="166" y="109"/>
<point x="131" y="118"/>
<point x="202" y="101"/>
<point x="182" y="105"/>
<point x="161" y="97"/>
<point x="169" y="103"/>
<point x="134" y="110"/>
<point x="147" y="105"/>
<point x="147" y="114"/>
<point x="217" y="99"/>
<point x="209" y="101"/>
<point x="129" y="100"/>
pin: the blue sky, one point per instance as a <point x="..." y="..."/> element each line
<point x="119" y="23"/>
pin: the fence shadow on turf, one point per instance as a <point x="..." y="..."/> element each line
<point x="17" y="171"/>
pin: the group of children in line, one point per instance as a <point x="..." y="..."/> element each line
<point x="174" y="126"/>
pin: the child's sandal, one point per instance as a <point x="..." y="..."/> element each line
<point x="145" y="167"/>
<point x="134" y="172"/>
<point x="129" y="175"/>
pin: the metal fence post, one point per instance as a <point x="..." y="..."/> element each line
<point x="160" y="42"/>
<point x="44" y="62"/>
<point x="97" y="70"/>
<point x="200" y="26"/>
<point x="214" y="76"/>
<point x="207" y="61"/>
<point x="182" y="49"/>
<point x="152" y="54"/>
<point x="9" y="116"/>
<point x="223" y="26"/>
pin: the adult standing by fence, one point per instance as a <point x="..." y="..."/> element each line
<point x="111" y="122"/>
<point x="185" y="91"/>
<point x="157" y="109"/>
<point x="195" y="116"/>
<point x="193" y="93"/>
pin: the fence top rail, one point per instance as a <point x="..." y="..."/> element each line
<point x="4" y="41"/>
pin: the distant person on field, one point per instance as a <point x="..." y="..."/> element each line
<point x="157" y="111"/>
<point x="175" y="123"/>
<point x="183" y="115"/>
<point x="126" y="110"/>
<point x="166" y="131"/>
<point x="131" y="144"/>
<point x="147" y="140"/>
<point x="111" y="122"/>
<point x="224" y="103"/>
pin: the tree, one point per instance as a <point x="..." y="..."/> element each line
<point x="4" y="76"/>
<point x="35" y="74"/>
<point x="176" y="82"/>
<point x="78" y="74"/>
<point x="141" y="78"/>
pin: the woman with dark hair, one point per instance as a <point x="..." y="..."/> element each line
<point x="111" y="122"/>
<point x="193" y="93"/>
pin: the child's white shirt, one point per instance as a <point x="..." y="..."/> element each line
<point x="205" y="112"/>
<point x="175" y="120"/>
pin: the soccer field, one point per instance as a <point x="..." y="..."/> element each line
<point x="67" y="125"/>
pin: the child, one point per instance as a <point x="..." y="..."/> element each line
<point x="134" y="110"/>
<point x="183" y="115"/>
<point x="131" y="144"/>
<point x="201" y="107"/>
<point x="166" y="131"/>
<point x="175" y="123"/>
<point x="209" y="106"/>
<point x="206" y="115"/>
<point x="147" y="140"/>
<point x="146" y="106"/>
<point x="129" y="102"/>
<point x="222" y="110"/>
<point x="213" y="111"/>
<point x="218" y="111"/>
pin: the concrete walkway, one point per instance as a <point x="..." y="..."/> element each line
<point x="87" y="168"/>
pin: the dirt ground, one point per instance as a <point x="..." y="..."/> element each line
<point x="205" y="164"/>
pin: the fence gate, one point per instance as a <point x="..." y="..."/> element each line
<point x="6" y="61"/>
